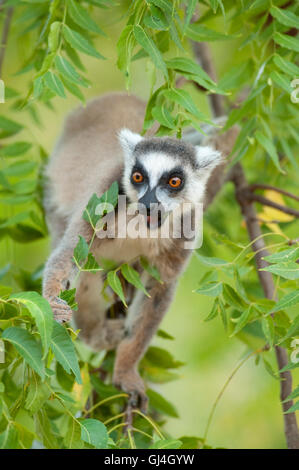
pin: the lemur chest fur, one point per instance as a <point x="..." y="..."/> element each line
<point x="123" y="250"/>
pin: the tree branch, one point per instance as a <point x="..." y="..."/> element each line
<point x="269" y="187"/>
<point x="4" y="37"/>
<point x="237" y="175"/>
<point x="266" y="279"/>
<point x="267" y="202"/>
<point x="203" y="56"/>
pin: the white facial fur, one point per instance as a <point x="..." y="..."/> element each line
<point x="157" y="163"/>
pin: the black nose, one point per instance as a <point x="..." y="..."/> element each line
<point x="149" y="198"/>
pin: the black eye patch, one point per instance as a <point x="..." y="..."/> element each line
<point x="174" y="173"/>
<point x="139" y="168"/>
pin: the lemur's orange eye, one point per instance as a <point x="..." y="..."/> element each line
<point x="175" y="182"/>
<point x="137" y="177"/>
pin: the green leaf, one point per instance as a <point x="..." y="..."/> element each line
<point x="268" y="330"/>
<point x="22" y="167"/>
<point x="27" y="347"/>
<point x="184" y="64"/>
<point x="157" y="374"/>
<point x="287" y="301"/>
<point x="285" y="17"/>
<point x="15" y="149"/>
<point x="166" y="444"/>
<point x="73" y="439"/>
<point x="281" y="81"/>
<point x="162" y="358"/>
<point x="212" y="289"/>
<point x="270" y="148"/>
<point x="109" y="197"/>
<point x="15" y="219"/>
<point x="69" y="296"/>
<point x="115" y="284"/>
<point x="91" y="264"/>
<point x="163" y="334"/>
<point x="163" y="116"/>
<point x="37" y="394"/>
<point x="9" y="127"/>
<point x="242" y="320"/>
<point x="289" y="270"/>
<point x="183" y="98"/>
<point x="54" y="83"/>
<point x="80" y="16"/>
<point x="293" y="408"/>
<point x="9" y="438"/>
<point x="293" y="330"/>
<point x="291" y="254"/>
<point x="150" y="47"/>
<point x="74" y="90"/>
<point x="160" y="404"/>
<point x="64" y="351"/>
<point x="41" y="311"/>
<point x="269" y="369"/>
<point x="152" y="270"/>
<point x="191" y="442"/>
<point x="201" y="33"/>
<point x="77" y="41"/>
<point x="211" y="261"/>
<point x="38" y="87"/>
<point x="286" y="66"/>
<point x="81" y="250"/>
<point x="53" y="38"/>
<point x="191" y="5"/>
<point x="294" y="394"/>
<point x="66" y="69"/>
<point x="65" y="380"/>
<point x="164" y="5"/>
<point x="94" y="432"/>
<point x="286" y="41"/>
<point x="155" y="19"/>
<point x="133" y="277"/>
<point x="44" y="430"/>
<point x="233" y="298"/>
<point x="125" y="46"/>
<point x="236" y="76"/>
<point x="214" y="312"/>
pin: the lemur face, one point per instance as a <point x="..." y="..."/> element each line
<point x="165" y="172"/>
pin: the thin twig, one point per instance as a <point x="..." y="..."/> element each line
<point x="269" y="187"/>
<point x="203" y="56"/>
<point x="227" y="382"/>
<point x="4" y="37"/>
<point x="267" y="202"/>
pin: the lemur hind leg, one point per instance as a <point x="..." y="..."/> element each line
<point x="98" y="331"/>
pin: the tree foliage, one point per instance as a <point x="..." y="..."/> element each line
<point x="53" y="390"/>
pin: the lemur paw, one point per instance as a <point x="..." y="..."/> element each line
<point x="61" y="310"/>
<point x="131" y="383"/>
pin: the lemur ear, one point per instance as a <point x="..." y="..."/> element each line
<point x="128" y="140"/>
<point x="207" y="158"/>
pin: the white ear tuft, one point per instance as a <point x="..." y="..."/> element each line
<point x="207" y="157"/>
<point x="128" y="140"/>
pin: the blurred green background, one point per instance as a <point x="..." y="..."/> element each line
<point x="249" y="413"/>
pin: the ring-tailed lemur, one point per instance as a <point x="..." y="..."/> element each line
<point x="92" y="152"/>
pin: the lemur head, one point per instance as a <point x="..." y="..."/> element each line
<point x="165" y="171"/>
